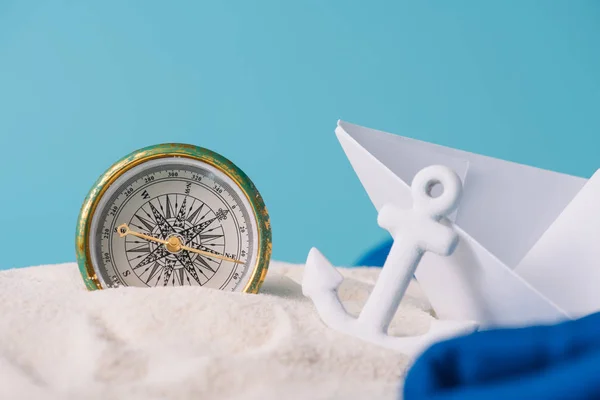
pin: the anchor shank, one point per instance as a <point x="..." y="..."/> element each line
<point x="394" y="278"/>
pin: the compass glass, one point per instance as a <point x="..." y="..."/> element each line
<point x="188" y="224"/>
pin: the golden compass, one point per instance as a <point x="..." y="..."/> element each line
<point x="174" y="215"/>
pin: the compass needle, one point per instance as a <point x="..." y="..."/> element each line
<point x="173" y="244"/>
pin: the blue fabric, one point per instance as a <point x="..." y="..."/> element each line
<point x="541" y="362"/>
<point x="375" y="257"/>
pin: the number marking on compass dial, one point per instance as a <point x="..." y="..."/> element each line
<point x="174" y="197"/>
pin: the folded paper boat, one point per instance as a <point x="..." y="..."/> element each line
<point x="529" y="249"/>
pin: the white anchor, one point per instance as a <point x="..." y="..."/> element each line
<point x="415" y="231"/>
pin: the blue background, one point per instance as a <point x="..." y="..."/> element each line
<point x="83" y="83"/>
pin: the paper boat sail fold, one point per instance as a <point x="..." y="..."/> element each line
<point x="499" y="220"/>
<point x="501" y="200"/>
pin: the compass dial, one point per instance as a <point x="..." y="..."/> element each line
<point x="188" y="223"/>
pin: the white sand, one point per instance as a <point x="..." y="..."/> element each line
<point x="59" y="341"/>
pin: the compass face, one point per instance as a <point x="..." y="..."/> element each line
<point x="195" y="207"/>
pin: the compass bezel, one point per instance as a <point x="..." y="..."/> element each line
<point x="141" y="156"/>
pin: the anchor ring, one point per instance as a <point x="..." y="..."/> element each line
<point x="423" y="184"/>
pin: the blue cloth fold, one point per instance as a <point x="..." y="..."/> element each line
<point x="552" y="362"/>
<point x="376" y="256"/>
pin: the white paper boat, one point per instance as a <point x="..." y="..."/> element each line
<point x="529" y="249"/>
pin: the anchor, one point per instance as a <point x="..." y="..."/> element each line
<point x="415" y="231"/>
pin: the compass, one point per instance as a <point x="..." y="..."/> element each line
<point x="174" y="215"/>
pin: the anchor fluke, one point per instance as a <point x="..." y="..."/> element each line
<point x="320" y="283"/>
<point x="321" y="275"/>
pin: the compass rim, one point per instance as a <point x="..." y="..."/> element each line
<point x="165" y="150"/>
